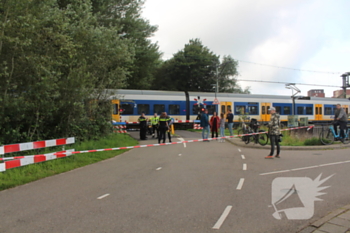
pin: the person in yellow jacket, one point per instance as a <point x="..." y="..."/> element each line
<point x="154" y="121"/>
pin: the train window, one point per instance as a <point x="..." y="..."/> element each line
<point x="174" y="109"/>
<point x="143" y="108"/>
<point x="278" y="109"/>
<point x="229" y="108"/>
<point x="286" y="110"/>
<point x="128" y="109"/>
<point x="253" y="110"/>
<point x="240" y="110"/>
<point x="223" y="109"/>
<point x="211" y="109"/>
<point x="115" y="109"/>
<point x="309" y="111"/>
<point x="320" y="110"/>
<point x="328" y="111"/>
<point x="263" y="110"/>
<point x="300" y="110"/>
<point x="158" y="108"/>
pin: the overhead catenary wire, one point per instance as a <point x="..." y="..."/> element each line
<point x="306" y="84"/>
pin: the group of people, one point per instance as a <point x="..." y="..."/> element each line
<point x="215" y="123"/>
<point x="160" y="126"/>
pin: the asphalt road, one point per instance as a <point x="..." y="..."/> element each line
<point x="193" y="187"/>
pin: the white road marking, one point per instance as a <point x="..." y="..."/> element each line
<point x="181" y="139"/>
<point x="180" y="154"/>
<point x="222" y="217"/>
<point x="103" y="196"/>
<point x="303" y="168"/>
<point x="239" y="150"/>
<point x="159" y="168"/>
<point x="244" y="166"/>
<point x="243" y="157"/>
<point x="240" y="184"/>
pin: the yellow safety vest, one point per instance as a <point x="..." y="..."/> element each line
<point x="155" y="120"/>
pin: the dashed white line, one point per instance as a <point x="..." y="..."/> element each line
<point x="244" y="166"/>
<point x="240" y="184"/>
<point x="243" y="157"/>
<point x="239" y="150"/>
<point x="303" y="168"/>
<point x="103" y="196"/>
<point x="159" y="168"/>
<point x="222" y="217"/>
<point x="181" y="139"/>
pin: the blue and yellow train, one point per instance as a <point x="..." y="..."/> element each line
<point x="129" y="104"/>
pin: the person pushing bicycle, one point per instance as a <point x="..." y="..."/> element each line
<point x="341" y="119"/>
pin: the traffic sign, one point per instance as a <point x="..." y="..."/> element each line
<point x="216" y="101"/>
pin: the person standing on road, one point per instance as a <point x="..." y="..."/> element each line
<point x="274" y="132"/>
<point x="205" y="125"/>
<point x="229" y="118"/>
<point x="170" y="122"/>
<point x="214" y="124"/>
<point x="163" y="126"/>
<point x="143" y="126"/>
<point x="341" y="119"/>
<point x="222" y="127"/>
<point x="154" y="121"/>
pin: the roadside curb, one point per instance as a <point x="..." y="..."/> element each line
<point x="239" y="142"/>
<point x="336" y="221"/>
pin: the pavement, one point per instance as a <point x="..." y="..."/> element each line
<point x="336" y="221"/>
<point x="194" y="187"/>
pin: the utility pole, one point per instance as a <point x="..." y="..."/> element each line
<point x="345" y="77"/>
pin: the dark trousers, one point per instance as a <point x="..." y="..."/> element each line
<point x="274" y="141"/>
<point x="143" y="131"/>
<point x="169" y="135"/>
<point x="214" y="130"/>
<point x="155" y="128"/>
<point x="342" y="126"/>
<point x="162" y="131"/>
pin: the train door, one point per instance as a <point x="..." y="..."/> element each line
<point x="224" y="107"/>
<point x="318" y="112"/>
<point x="346" y="108"/>
<point x="265" y="115"/>
<point x="115" y="111"/>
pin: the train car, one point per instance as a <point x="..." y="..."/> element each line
<point x="129" y="104"/>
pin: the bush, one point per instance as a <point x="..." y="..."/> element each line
<point x="312" y="141"/>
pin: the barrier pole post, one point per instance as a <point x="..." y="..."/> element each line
<point x="172" y="129"/>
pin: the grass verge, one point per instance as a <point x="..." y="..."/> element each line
<point x="22" y="175"/>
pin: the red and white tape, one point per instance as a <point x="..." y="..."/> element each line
<point x="184" y="121"/>
<point x="180" y="142"/>
<point x="35" y="145"/>
<point x="41" y="158"/>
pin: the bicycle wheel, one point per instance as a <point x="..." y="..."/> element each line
<point x="326" y="137"/>
<point x="240" y="132"/>
<point x="263" y="138"/>
<point x="246" y="139"/>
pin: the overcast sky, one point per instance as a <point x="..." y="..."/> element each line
<point x="300" y="34"/>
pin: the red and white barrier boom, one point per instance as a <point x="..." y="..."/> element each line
<point x="30" y="159"/>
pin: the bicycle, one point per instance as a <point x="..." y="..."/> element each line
<point x="327" y="136"/>
<point x="261" y="138"/>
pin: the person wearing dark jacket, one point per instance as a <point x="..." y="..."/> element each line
<point x="143" y="126"/>
<point x="205" y="125"/>
<point x="341" y="119"/>
<point x="163" y="126"/>
<point x="229" y="118"/>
